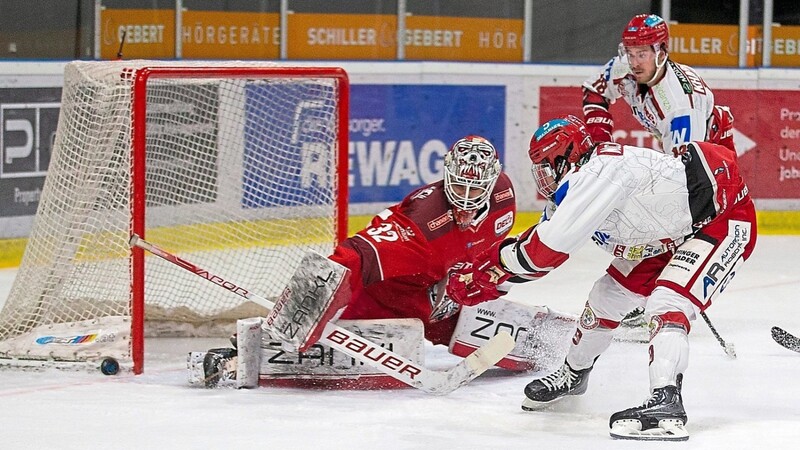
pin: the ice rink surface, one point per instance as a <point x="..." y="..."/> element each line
<point x="748" y="403"/>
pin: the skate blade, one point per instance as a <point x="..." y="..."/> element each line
<point x="667" y="430"/>
<point x="531" y="405"/>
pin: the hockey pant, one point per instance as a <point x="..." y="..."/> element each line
<point x="670" y="287"/>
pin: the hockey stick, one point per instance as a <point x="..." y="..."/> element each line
<point x="726" y="346"/>
<point x="355" y="346"/>
<point x="786" y="339"/>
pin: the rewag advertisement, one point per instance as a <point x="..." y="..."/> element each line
<point x="399" y="134"/>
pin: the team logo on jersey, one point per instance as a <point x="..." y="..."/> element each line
<point x="504" y="223"/>
<point x="503" y="195"/>
<point x="681" y="130"/>
<point x="424" y="193"/>
<point x="440" y="221"/>
<point x="655" y="325"/>
<point x="588" y="319"/>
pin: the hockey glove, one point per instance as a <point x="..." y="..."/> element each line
<point x="599" y="122"/>
<point x="442" y="306"/>
<point x="478" y="282"/>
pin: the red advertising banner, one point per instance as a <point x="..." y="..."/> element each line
<point x="766" y="132"/>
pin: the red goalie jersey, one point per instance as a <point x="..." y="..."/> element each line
<point x="398" y="259"/>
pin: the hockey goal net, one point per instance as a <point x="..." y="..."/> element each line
<point x="241" y="167"/>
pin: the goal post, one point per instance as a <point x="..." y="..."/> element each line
<point x="241" y="166"/>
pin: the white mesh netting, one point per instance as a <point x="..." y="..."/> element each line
<point x="241" y="179"/>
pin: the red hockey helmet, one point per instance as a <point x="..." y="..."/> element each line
<point x="554" y="148"/>
<point x="646" y="29"/>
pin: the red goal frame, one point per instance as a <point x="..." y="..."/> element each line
<point x="138" y="158"/>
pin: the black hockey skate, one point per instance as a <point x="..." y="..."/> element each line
<point x="564" y="381"/>
<point x="660" y="418"/>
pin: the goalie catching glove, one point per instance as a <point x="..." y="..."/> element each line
<point x="481" y="280"/>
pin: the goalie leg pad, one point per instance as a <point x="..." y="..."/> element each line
<point x="324" y="367"/>
<point x="315" y="295"/>
<point x="541" y="334"/>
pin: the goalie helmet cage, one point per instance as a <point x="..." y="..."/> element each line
<point x="240" y="166"/>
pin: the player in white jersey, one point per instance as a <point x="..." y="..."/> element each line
<point x="669" y="99"/>
<point x="685" y="224"/>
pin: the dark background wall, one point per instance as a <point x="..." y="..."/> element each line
<point x="563" y="31"/>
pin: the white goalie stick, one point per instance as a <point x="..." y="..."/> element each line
<point x="397" y="366"/>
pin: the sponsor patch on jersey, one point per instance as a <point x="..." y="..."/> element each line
<point x="686" y="85"/>
<point x="681" y="130"/>
<point x="503" y="195"/>
<point x="503" y="224"/>
<point x="440" y="221"/>
<point x="695" y="80"/>
<point x="588" y="319"/>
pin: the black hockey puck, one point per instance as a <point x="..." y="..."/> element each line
<point x="109" y="366"/>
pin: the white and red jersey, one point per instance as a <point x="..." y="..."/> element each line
<point x="409" y="247"/>
<point x="634" y="202"/>
<point x="676" y="110"/>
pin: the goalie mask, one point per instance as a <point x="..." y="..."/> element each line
<point x="471" y="168"/>
<point x="555" y="147"/>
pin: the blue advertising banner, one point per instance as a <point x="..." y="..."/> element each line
<point x="287" y="161"/>
<point x="400" y="133"/>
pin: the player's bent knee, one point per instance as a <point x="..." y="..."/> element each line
<point x="669" y="321"/>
